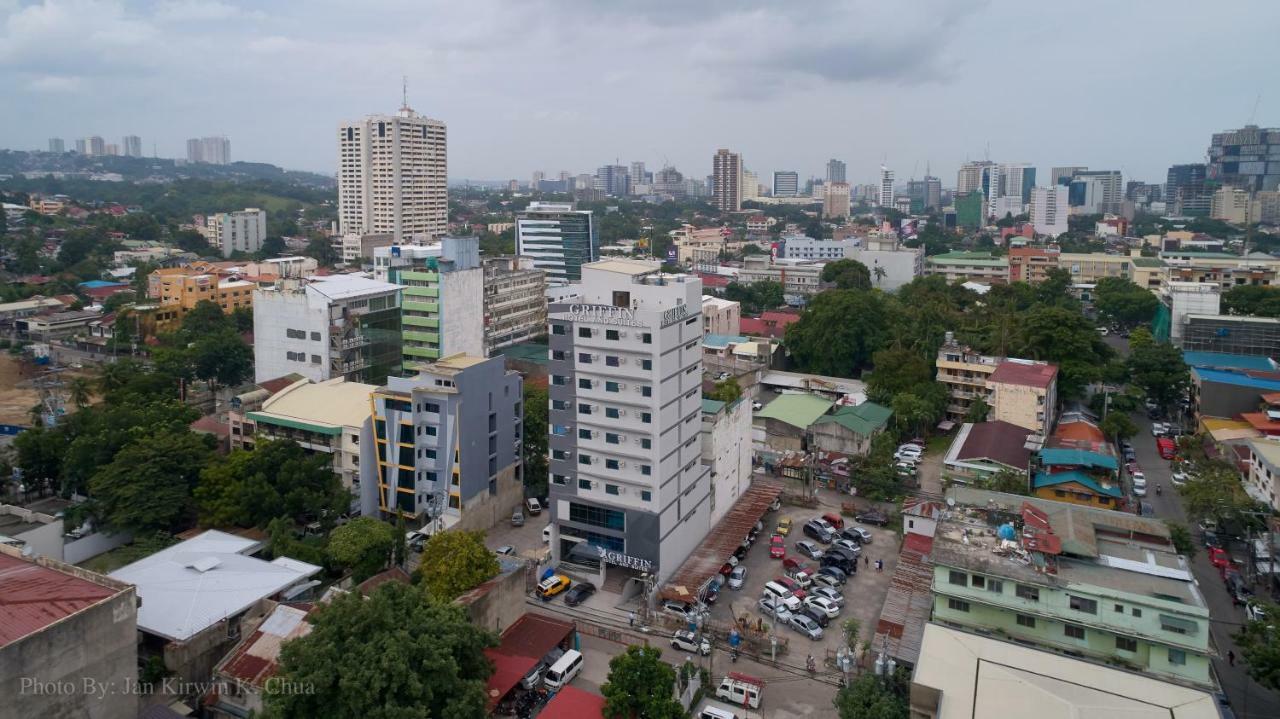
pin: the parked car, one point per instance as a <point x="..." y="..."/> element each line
<point x="579" y="594"/>
<point x="830" y="594"/>
<point x="806" y="625"/>
<point x="713" y="589"/>
<point x="826" y="581"/>
<point x="822" y="522"/>
<point x="517" y="518"/>
<point x="677" y="608"/>
<point x="757" y="406"/>
<point x="551" y="586"/>
<point x="822" y="619"/>
<point x="849" y="544"/>
<point x="533" y="506"/>
<point x="777" y="547"/>
<point x="817" y="531"/>
<point x="1179" y="478"/>
<point x="793" y="586"/>
<point x="784" y="526"/>
<point x="1254" y="612"/>
<point x="792" y="564"/>
<point x="737" y="577"/>
<point x="839" y="561"/>
<point x="1139" y="490"/>
<point x="773" y="608"/>
<point x="835" y="520"/>
<point x="1158" y="429"/>
<point x="687" y="641"/>
<point x="505" y="550"/>
<point x="809" y="549"/>
<point x="864" y="536"/>
<point x="824" y="605"/>
<point x="872" y="516"/>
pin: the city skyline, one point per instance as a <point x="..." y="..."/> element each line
<point x="838" y="65"/>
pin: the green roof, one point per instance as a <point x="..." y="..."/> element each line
<point x="534" y="352"/>
<point x="1078" y="457"/>
<point x="968" y="258"/>
<point x="1147" y="261"/>
<point x="711" y="406"/>
<point x="1206" y="255"/>
<point x="1050" y="480"/>
<point x="864" y="419"/>
<point x="797" y="410"/>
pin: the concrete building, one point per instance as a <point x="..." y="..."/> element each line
<point x="132" y="145"/>
<point x="835" y="200"/>
<point x="57" y="146"/>
<point x="800" y="247"/>
<point x="849" y="429"/>
<point x="1094" y="192"/>
<point x="211" y="150"/>
<point x="1235" y="334"/>
<point x="970" y="210"/>
<point x="239" y="231"/>
<point x="515" y="302"/>
<point x="1032" y="264"/>
<point x="330" y="417"/>
<point x="963" y="675"/>
<point x="720" y="316"/>
<point x="448" y="445"/>
<point x="392" y="177"/>
<point x="1263" y="480"/>
<point x="750" y="185"/>
<point x="799" y="278"/>
<point x="1231" y="204"/>
<point x="726" y="449"/>
<point x="1246" y="158"/>
<point x="972" y="177"/>
<point x="726" y="171"/>
<point x="442" y="308"/>
<point x="1063" y="175"/>
<point x="836" y="171"/>
<point x="1184" y="299"/>
<point x="891" y="264"/>
<point x="786" y="183"/>
<point x="1098" y="584"/>
<point x="612" y="180"/>
<point x="964" y="373"/>
<point x="354" y="249"/>
<point x="66" y="631"/>
<point x="558" y="238"/>
<point x="932" y="193"/>
<point x="327" y="327"/>
<point x="1089" y="267"/>
<point x="181" y="288"/>
<point x="1185" y="193"/>
<point x="962" y="266"/>
<point x="1024" y="393"/>
<point x="885" y="198"/>
<point x="629" y="489"/>
<point x="1049" y="210"/>
<point x="981" y="450"/>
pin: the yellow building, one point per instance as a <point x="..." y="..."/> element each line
<point x="1088" y="268"/>
<point x="186" y="286"/>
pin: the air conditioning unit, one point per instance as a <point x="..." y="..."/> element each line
<point x="622" y="465"/>
<point x="622" y="413"/>
<point x="622" y="385"/>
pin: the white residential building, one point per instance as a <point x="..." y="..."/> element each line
<point x="1188" y="298"/>
<point x="1263" y="482"/>
<point x="326" y="327"/>
<point x="726" y="449"/>
<point x="801" y="247"/>
<point x="1008" y="205"/>
<point x="1049" y="210"/>
<point x="240" y="231"/>
<point x="891" y="265"/>
<point x="720" y="316"/>
<point x="559" y="240"/>
<point x="886" y="187"/>
<point x="629" y="489"/>
<point x="392" y="177"/>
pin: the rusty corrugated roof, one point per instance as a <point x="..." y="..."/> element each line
<point x="33" y="596"/>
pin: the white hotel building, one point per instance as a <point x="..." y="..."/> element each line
<point x="629" y="491"/>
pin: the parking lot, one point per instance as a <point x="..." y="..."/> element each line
<point x="864" y="592"/>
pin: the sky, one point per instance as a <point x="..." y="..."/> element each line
<point x="571" y="85"/>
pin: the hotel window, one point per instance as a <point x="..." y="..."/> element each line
<point x="646" y="417"/>
<point x="584" y="332"/>
<point x="1080" y="604"/>
<point x="584" y="384"/>
<point x="1177" y="657"/>
<point x="611" y="438"/>
<point x="559" y="479"/>
<point x="584" y="484"/>
<point x="646" y="470"/>
<point x="611" y="334"/>
<point x="558" y="380"/>
<point x="612" y="387"/>
<point x="1026" y="592"/>
<point x="646" y="495"/>
<point x="612" y="464"/>
<point x="584" y="409"/>
<point x="559" y="454"/>
<point x="646" y="364"/>
<point x="584" y="357"/>
<point x="611" y="489"/>
<point x="646" y="338"/>
<point x="557" y="329"/>
<point x="612" y="361"/>
<point x="612" y="412"/>
<point x="646" y="443"/>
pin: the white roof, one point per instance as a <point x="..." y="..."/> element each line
<point x="339" y="287"/>
<point x="981" y="678"/>
<point x="193" y="585"/>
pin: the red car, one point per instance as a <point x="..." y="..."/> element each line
<point x="793" y="585"/>
<point x="777" y="549"/>
<point x="1219" y="559"/>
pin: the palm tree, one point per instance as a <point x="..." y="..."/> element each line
<point x="80" y="392"/>
<point x="879" y="273"/>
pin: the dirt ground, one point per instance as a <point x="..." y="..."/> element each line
<point x="17" y="396"/>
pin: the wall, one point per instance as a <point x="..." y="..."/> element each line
<point x="497" y="603"/>
<point x="726" y="446"/>
<point x="1020" y="405"/>
<point x="195" y="658"/>
<point x="833" y="437"/>
<point x="274" y="313"/>
<point x="462" y="312"/>
<point x="485" y="511"/>
<point x="92" y="545"/>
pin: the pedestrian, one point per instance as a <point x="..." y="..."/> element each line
<point x="879" y="565"/>
<point x="1231" y="657"/>
<point x="631" y="618"/>
<point x="866" y="561"/>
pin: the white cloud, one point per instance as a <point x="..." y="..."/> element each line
<point x="55" y="83"/>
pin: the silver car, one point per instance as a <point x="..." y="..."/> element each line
<point x="809" y="549"/>
<point x="806" y="626"/>
<point x="828" y="593"/>
<point x="767" y="606"/>
<point x="737" y="577"/>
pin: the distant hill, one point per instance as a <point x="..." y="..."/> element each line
<point x="69" y="165"/>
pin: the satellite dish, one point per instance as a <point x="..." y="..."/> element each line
<point x="951" y="502"/>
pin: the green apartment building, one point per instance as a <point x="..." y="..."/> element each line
<point x="442" y="303"/>
<point x="1095" y="584"/>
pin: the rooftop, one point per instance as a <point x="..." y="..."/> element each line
<point x="458" y="361"/>
<point x="797" y="410"/>
<point x="1237" y="378"/>
<point x="257" y="658"/>
<point x="1268" y="450"/>
<point x="340" y="287"/>
<point x="626" y="267"/>
<point x="909" y="602"/>
<point x="718" y="302"/>
<point x="37" y="595"/>
<point x="573" y="703"/>
<point x="192" y="585"/>
<point x="997" y="441"/>
<point x="1223" y="360"/>
<point x="723" y="341"/>
<point x="330" y="404"/>
<point x="977" y="677"/>
<point x="863" y="419"/>
<point x="1077" y="458"/>
<point x="1025" y="374"/>
<point x="1044" y="479"/>
<point x="984" y="259"/>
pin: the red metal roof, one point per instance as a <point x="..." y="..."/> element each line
<point x="33" y="597"/>
<point x="573" y="703"/>
<point x="523" y="645"/>
<point x="719" y="544"/>
<point x="1029" y="375"/>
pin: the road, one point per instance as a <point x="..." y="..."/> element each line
<point x="1248" y="699"/>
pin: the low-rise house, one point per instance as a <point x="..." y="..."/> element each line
<point x="243" y="674"/>
<point x="984" y="449"/>
<point x="726" y="447"/>
<point x="783" y="424"/>
<point x="981" y="267"/>
<point x="850" y="429"/>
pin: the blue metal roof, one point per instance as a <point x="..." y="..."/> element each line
<point x="1077" y="457"/>
<point x="1236" y="378"/>
<point x="723" y="340"/>
<point x="1223" y="360"/>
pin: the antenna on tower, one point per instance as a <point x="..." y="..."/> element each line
<point x="1254" y="114"/>
<point x="404" y="92"/>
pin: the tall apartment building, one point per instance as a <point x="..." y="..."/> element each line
<point x="835" y="200"/>
<point x="750" y="185"/>
<point x="194" y="152"/>
<point x="932" y="193"/>
<point x="95" y="146"/>
<point x="327" y="327"/>
<point x="669" y="181"/>
<point x="442" y="303"/>
<point x="1185" y="192"/>
<point x="1231" y="204"/>
<point x="1063" y="175"/>
<point x="836" y="171"/>
<point x="786" y="183"/>
<point x="239" y="231"/>
<point x="559" y="240"/>
<point x="447" y="445"/>
<point x="726" y="173"/>
<point x="629" y="490"/>
<point x="392" y="177"/>
<point x="56" y="145"/>
<point x="637" y="174"/>
<point x="515" y="302"/>
<point x="1049" y="210"/>
<point x="1248" y="158"/>
<point x="613" y="180"/>
<point x="212" y="150"/>
<point x="886" y="187"/>
<point x="132" y="145"/>
<point x="82" y="147"/>
<point x="972" y="177"/>
<point x="1097" y="191"/>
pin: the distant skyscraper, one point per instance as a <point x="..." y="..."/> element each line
<point x="559" y="238"/>
<point x="669" y="181"/>
<point x="835" y="200"/>
<point x="836" y="171"/>
<point x="726" y="171"/>
<point x="82" y="148"/>
<point x="1064" y="175"/>
<point x="132" y="146"/>
<point x="750" y="185"/>
<point x="1097" y="191"/>
<point x="786" y="183"/>
<point x="637" y="175"/>
<point x="57" y="145"/>
<point x="932" y="193"/>
<point x="969" y="178"/>
<point x="612" y="180"/>
<point x="1049" y="210"/>
<point x="886" y="187"/>
<point x="1248" y="158"/>
<point x="194" y="152"/>
<point x="1185" y="192"/>
<point x="97" y="146"/>
<point x="216" y="150"/>
<point x="111" y="149"/>
<point x="393" y="177"/>
<point x="535" y="181"/>
<point x="1009" y="180"/>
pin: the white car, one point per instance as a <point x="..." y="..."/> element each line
<point x="1159" y="428"/>
<point x="825" y="581"/>
<point x="737" y="577"/>
<point x="824" y="524"/>
<point x="1180" y="478"/>
<point x="828" y="593"/>
<point x="823" y="605"/>
<point x="769" y="608"/>
<point x="687" y="641"/>
<point x="911" y="448"/>
<point x="1139" y="480"/>
<point x="1139" y="490"/>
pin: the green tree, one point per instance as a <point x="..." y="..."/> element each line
<point x="321" y="250"/>
<point x="40" y="454"/>
<point x="1063" y="336"/>
<point x="455" y="562"/>
<point x="147" y="485"/>
<point x="1158" y="368"/>
<point x="1007" y="481"/>
<point x="191" y="241"/>
<point x="726" y="390"/>
<point x="1255" y="300"/>
<point x="1124" y="302"/>
<point x="896" y="371"/>
<point x="640" y="686"/>
<point x="914" y="413"/>
<point x="274" y="479"/>
<point x="205" y="318"/>
<point x="1260" y="646"/>
<point x="222" y="358"/>
<point x="534" y="448"/>
<point x="1181" y="538"/>
<point x="1117" y="425"/>
<point x="395" y="655"/>
<point x="838" y="332"/>
<point x="1215" y="492"/>
<point x="874" y="697"/>
<point x="847" y="275"/>
<point x="80" y="391"/>
<point x="362" y="545"/>
<point x="978" y="411"/>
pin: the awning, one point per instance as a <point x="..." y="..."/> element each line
<point x="1186" y="626"/>
<point x="946" y="425"/>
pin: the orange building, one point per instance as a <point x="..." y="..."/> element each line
<point x="1031" y="264"/>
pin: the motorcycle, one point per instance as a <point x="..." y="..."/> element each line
<point x="1159" y="490"/>
<point x="733" y="655"/>
<point x="812" y="666"/>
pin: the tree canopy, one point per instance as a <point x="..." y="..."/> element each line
<point x="874" y="697"/>
<point x="362" y="545"/>
<point x="249" y="488"/>
<point x="455" y="562"/>
<point x="147" y="485"/>
<point x="847" y="275"/>
<point x="1260" y="646"/>
<point x="1254" y="300"/>
<point x="757" y="296"/>
<point x="1124" y="302"/>
<point x="534" y="448"/>
<point x="1158" y="368"/>
<point x="838" y="332"/>
<point x="640" y="686"/>
<point x="396" y="655"/>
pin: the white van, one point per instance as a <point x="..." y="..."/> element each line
<point x="716" y="713"/>
<point x="564" y="670"/>
<point x="782" y="594"/>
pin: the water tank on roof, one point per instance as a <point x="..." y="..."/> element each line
<point x="1007" y="532"/>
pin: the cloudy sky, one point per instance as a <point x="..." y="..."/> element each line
<point x="564" y="84"/>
